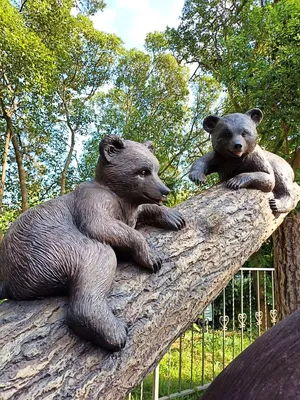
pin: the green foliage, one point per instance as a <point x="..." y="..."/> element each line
<point x="6" y="218"/>
<point x="51" y="64"/>
<point x="189" y="365"/>
<point x="67" y="85"/>
<point x="147" y="102"/>
<point x="254" y="52"/>
<point x="25" y="62"/>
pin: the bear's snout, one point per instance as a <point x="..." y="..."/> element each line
<point x="164" y="190"/>
<point x="237" y="146"/>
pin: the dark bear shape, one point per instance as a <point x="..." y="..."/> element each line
<point x="240" y="161"/>
<point x="269" y="369"/>
<point x="68" y="244"/>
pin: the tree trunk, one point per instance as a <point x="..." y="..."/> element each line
<point x="21" y="169"/>
<point x="41" y="359"/>
<point x="67" y="164"/>
<point x="72" y="145"/>
<point x="287" y="266"/>
<point x="296" y="159"/>
<point x="4" y="164"/>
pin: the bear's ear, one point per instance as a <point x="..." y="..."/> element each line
<point x="256" y="115"/>
<point x="210" y="122"/>
<point x="149" y="146"/>
<point x="109" y="146"/>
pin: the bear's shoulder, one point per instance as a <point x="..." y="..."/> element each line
<point x="101" y="199"/>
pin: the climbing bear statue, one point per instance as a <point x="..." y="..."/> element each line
<point x="241" y="162"/>
<point x="68" y="245"/>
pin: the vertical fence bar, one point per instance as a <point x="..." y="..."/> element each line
<point x="224" y="326"/>
<point x="265" y="300"/>
<point x="169" y="371"/>
<point x="242" y="311"/>
<point x="192" y="356"/>
<point x="180" y="364"/>
<point x="273" y="312"/>
<point x="142" y="390"/>
<point x="250" y="305"/>
<point x="213" y="339"/>
<point x="233" y="320"/>
<point x="202" y="352"/>
<point x="258" y="304"/>
<point x="155" y="384"/>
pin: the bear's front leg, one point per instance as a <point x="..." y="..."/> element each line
<point x="161" y="217"/>
<point x="124" y="238"/>
<point x="205" y="165"/>
<point x="254" y="180"/>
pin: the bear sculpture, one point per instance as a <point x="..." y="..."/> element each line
<point x="68" y="245"/>
<point x="240" y="161"/>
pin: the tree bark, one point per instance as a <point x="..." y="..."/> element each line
<point x="296" y="160"/>
<point x="21" y="169"/>
<point x="41" y="359"/>
<point x="71" y="150"/>
<point x="287" y="266"/>
<point x="4" y="165"/>
<point x="67" y="164"/>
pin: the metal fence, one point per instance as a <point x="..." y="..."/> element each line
<point x="241" y="313"/>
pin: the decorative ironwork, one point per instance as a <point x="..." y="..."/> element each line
<point x="205" y="324"/>
<point x="221" y="341"/>
<point x="259" y="317"/>
<point x="242" y="318"/>
<point x="273" y="314"/>
<point x="224" y="319"/>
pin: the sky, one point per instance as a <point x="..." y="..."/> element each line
<point x="131" y="20"/>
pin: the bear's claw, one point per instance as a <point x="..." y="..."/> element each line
<point x="198" y="178"/>
<point x="174" y="220"/>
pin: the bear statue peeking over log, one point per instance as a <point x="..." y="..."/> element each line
<point x="68" y="244"/>
<point x="240" y="161"/>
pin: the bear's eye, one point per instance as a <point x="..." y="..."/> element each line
<point x="244" y="133"/>
<point x="226" y="134"/>
<point x="144" y="172"/>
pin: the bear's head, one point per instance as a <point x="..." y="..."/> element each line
<point x="130" y="170"/>
<point x="234" y="135"/>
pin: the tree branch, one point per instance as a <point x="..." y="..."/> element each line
<point x="41" y="358"/>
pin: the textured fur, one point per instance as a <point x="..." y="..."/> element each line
<point x="240" y="161"/>
<point x="67" y="245"/>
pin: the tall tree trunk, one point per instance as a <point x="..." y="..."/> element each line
<point x="67" y="163"/>
<point x="72" y="145"/>
<point x="41" y="359"/>
<point x="286" y="128"/>
<point x="287" y="253"/>
<point x="296" y="159"/>
<point x="287" y="265"/>
<point x="21" y="169"/>
<point x="4" y="164"/>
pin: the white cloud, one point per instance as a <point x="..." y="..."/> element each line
<point x="132" y="4"/>
<point x="106" y="21"/>
<point x="133" y="19"/>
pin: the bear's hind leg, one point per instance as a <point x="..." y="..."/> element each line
<point x="282" y="205"/>
<point x="89" y="315"/>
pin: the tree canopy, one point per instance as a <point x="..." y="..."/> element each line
<point x="64" y="84"/>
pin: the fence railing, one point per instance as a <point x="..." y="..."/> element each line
<point x="241" y="313"/>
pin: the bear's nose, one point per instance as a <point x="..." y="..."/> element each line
<point x="164" y="190"/>
<point x="237" y="146"/>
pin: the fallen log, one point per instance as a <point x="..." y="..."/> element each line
<point x="41" y="359"/>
